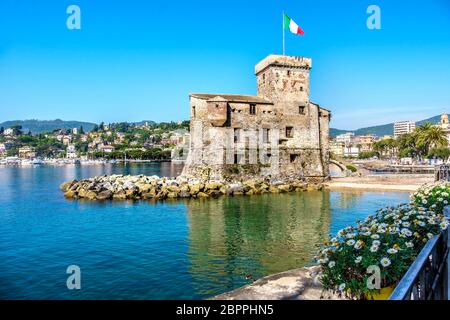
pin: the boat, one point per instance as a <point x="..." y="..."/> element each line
<point x="26" y="162"/>
<point x="37" y="161"/>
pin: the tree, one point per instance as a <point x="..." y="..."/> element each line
<point x="17" y="130"/>
<point x="430" y="137"/>
<point x="81" y="130"/>
<point x="2" y="130"/>
<point x="441" y="153"/>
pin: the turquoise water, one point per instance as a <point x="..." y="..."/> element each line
<point x="190" y="249"/>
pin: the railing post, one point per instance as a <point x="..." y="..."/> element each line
<point x="447" y="269"/>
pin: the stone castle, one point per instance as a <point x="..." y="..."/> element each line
<point x="279" y="133"/>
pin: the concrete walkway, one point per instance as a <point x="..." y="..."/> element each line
<point x="297" y="284"/>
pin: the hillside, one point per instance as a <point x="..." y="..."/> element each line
<point x="380" y="130"/>
<point x="38" y="126"/>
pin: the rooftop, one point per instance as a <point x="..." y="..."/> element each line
<point x="283" y="61"/>
<point x="231" y="98"/>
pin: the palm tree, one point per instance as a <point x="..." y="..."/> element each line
<point x="430" y="137"/>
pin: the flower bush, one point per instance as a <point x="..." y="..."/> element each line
<point x="390" y="239"/>
<point x="432" y="196"/>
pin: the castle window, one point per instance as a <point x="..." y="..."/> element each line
<point x="266" y="135"/>
<point x="293" y="157"/>
<point x="237" y="135"/>
<point x="252" y="109"/>
<point x="289" y="132"/>
<point x="237" y="158"/>
<point x="289" y="72"/>
<point x="217" y="105"/>
<point x="193" y="111"/>
<point x="301" y="110"/>
<point x="301" y="88"/>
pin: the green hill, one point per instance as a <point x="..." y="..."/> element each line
<point x="380" y="130"/>
<point x="38" y="126"/>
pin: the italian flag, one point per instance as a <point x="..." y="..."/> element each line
<point x="292" y="26"/>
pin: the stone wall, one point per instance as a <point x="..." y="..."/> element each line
<point x="278" y="134"/>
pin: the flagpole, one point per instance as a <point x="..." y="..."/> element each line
<point x="282" y="20"/>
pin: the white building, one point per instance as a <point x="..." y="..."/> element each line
<point x="8" y="132"/>
<point x="71" y="151"/>
<point x="403" y="127"/>
<point x="351" y="151"/>
<point x="345" y="138"/>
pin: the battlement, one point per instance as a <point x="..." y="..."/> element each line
<point x="283" y="61"/>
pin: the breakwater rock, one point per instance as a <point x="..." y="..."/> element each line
<point x="120" y="187"/>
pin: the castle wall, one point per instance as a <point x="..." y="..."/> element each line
<point x="282" y="138"/>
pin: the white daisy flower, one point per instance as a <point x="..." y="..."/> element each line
<point x="385" y="262"/>
<point x="409" y="244"/>
<point x="331" y="264"/>
<point x="350" y="242"/>
<point x="392" y="251"/>
<point x="358" y="259"/>
<point x="376" y="243"/>
<point x="342" y="287"/>
<point x="359" y="244"/>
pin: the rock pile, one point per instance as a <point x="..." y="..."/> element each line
<point x="120" y="187"/>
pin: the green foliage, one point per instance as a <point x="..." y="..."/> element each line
<point x="432" y="196"/>
<point x="135" y="154"/>
<point x="418" y="143"/>
<point x="351" y="167"/>
<point x="390" y="239"/>
<point x="441" y="153"/>
<point x="367" y="154"/>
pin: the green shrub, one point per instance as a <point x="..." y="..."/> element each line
<point x="351" y="167"/>
<point x="390" y="239"/>
<point x="367" y="154"/>
<point x="432" y="196"/>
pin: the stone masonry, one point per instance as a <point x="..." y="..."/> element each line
<point x="278" y="134"/>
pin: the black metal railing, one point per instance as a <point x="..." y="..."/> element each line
<point x="442" y="172"/>
<point x="427" y="278"/>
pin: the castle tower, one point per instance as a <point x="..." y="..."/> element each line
<point x="289" y="132"/>
<point x="284" y="80"/>
<point x="444" y="118"/>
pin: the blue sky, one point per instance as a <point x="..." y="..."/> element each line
<point x="135" y="60"/>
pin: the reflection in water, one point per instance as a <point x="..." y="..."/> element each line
<point x="236" y="240"/>
<point x="177" y="249"/>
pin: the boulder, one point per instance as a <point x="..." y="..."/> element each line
<point x="172" y="195"/>
<point x="195" y="188"/>
<point x="70" y="194"/>
<point x="273" y="189"/>
<point x="213" y="186"/>
<point x="202" y="195"/>
<point x="284" y="188"/>
<point x="104" y="195"/>
<point x="184" y="194"/>
<point x="91" y="195"/>
<point x="67" y="185"/>
<point x="121" y="195"/>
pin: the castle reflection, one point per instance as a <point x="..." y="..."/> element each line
<point x="236" y="240"/>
